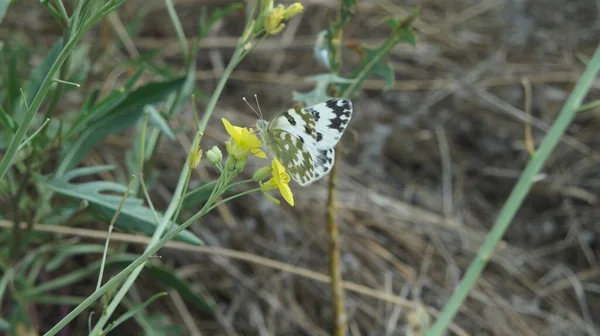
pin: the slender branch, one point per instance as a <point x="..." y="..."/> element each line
<point x="335" y="48"/>
<point x="514" y="201"/>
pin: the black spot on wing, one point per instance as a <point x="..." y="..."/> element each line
<point x="316" y="115"/>
<point x="289" y="118"/>
<point x="341" y="109"/>
<point x="319" y="136"/>
<point x="308" y="130"/>
<point x="301" y="139"/>
<point x="325" y="156"/>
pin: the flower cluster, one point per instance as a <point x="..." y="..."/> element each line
<point x="243" y="142"/>
<point x="274" y="16"/>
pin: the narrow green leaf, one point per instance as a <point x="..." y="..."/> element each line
<point x="77" y="275"/>
<point x="136" y="76"/>
<point x="56" y="300"/>
<point x="8" y="121"/>
<point x="119" y="119"/>
<point x="13" y="78"/>
<point x="169" y="279"/>
<point x="80" y="65"/>
<point x="159" y="122"/>
<point x="130" y="313"/>
<point x="104" y="198"/>
<point x="5" y="280"/>
<point x="65" y="252"/>
<point x="90" y="101"/>
<point x="41" y="71"/>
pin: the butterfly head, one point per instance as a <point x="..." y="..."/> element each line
<point x="261" y="124"/>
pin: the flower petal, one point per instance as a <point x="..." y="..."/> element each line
<point x="234" y="131"/>
<point x="250" y="139"/>
<point x="277" y="167"/>
<point x="286" y="192"/>
<point x="259" y="153"/>
<point x="272" y="199"/>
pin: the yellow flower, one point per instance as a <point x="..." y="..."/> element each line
<point x="243" y="141"/>
<point x="273" y="24"/>
<point x="279" y="181"/>
<point x="274" y="16"/>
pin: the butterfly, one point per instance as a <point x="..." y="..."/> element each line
<point x="303" y="138"/>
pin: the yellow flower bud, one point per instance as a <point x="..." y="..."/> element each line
<point x="195" y="158"/>
<point x="195" y="152"/>
<point x="293" y="10"/>
<point x="273" y="24"/>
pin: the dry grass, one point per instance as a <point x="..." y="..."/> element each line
<point x="427" y="166"/>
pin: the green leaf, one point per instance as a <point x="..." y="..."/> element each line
<point x="56" y="300"/>
<point x="92" y="110"/>
<point x="382" y="68"/>
<point x="319" y="93"/>
<point x="80" y="66"/>
<point x="170" y="280"/>
<point x="8" y="121"/>
<point x="12" y="81"/>
<point x="374" y="62"/>
<point x="159" y="272"/>
<point x="130" y="313"/>
<point x="156" y="119"/>
<point x="133" y="216"/>
<point x="65" y="252"/>
<point x="91" y="270"/>
<point x="41" y="71"/>
<point x="5" y="280"/>
<point x="119" y="119"/>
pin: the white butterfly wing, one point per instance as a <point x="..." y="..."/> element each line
<point x="331" y="120"/>
<point x="314" y="130"/>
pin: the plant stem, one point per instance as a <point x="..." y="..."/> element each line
<point x="335" y="48"/>
<point x="514" y="201"/>
<point x="41" y="94"/>
<point x="130" y="268"/>
<point x="334" y="254"/>
<point x="174" y="204"/>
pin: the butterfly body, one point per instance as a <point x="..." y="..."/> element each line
<point x="303" y="139"/>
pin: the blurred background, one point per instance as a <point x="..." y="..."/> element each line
<point x="425" y="167"/>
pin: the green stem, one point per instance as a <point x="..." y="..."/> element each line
<point x="506" y="215"/>
<point x="17" y="139"/>
<point x="173" y="205"/>
<point x="178" y="29"/>
<point x="247" y="192"/>
<point x="110" y="228"/>
<point x="129" y="269"/>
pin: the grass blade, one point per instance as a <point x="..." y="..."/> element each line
<point x="514" y="201"/>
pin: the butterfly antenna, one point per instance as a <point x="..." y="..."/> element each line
<point x="258" y="105"/>
<point x="252" y="108"/>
